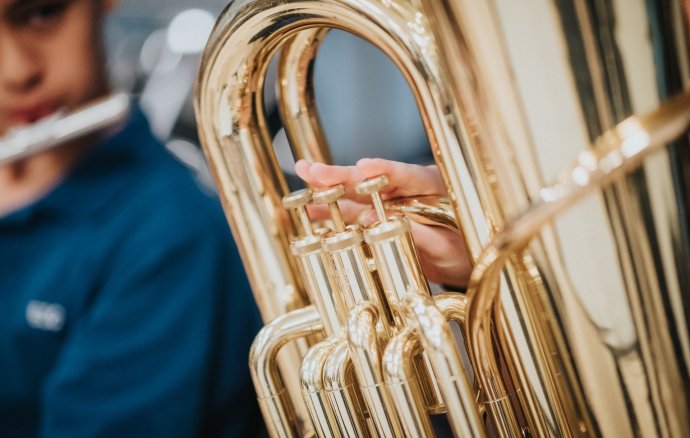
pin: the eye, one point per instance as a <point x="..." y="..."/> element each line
<point x="38" y="14"/>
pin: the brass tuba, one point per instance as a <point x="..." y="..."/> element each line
<point x="576" y="316"/>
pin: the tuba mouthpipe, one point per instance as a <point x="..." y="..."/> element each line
<point x="264" y="371"/>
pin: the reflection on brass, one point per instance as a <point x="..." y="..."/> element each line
<point x="506" y="90"/>
<point x="617" y="152"/>
<point x="277" y="411"/>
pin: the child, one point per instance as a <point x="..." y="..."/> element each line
<point x="124" y="310"/>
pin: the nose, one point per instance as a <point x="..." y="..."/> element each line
<point x="20" y="69"/>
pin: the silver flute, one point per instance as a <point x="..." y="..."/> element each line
<point x="60" y="128"/>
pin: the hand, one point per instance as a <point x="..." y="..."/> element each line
<point x="444" y="257"/>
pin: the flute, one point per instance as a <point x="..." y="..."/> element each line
<point x="60" y="128"/>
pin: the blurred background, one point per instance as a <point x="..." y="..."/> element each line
<point x="365" y="105"/>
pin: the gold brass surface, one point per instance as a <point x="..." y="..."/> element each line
<point x="341" y="389"/>
<point x="507" y="91"/>
<point x="615" y="153"/>
<point x="275" y="407"/>
<point x="314" y="389"/>
<point x="402" y="385"/>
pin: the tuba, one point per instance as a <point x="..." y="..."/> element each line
<point x="575" y="320"/>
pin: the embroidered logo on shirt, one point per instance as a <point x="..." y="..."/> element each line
<point x="45" y="316"/>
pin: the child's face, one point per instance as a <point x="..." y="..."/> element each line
<point x="50" y="57"/>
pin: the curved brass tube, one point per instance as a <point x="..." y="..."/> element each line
<point x="296" y="100"/>
<point x="452" y="305"/>
<point x="398" y="367"/>
<point x="439" y="343"/>
<point x="366" y="355"/>
<point x="428" y="210"/>
<point x="616" y="152"/>
<point x="262" y="364"/>
<point x="472" y="106"/>
<point x="339" y="382"/>
<point x="232" y="127"/>
<point x="313" y="389"/>
<point x="399" y="371"/>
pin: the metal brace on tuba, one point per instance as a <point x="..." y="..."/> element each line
<point x="576" y="316"/>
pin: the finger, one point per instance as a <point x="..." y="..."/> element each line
<point x="318" y="212"/>
<point x="443" y="255"/>
<point x="302" y="170"/>
<point x="325" y="175"/>
<point x="404" y="179"/>
<point x="329" y="175"/>
<point x="319" y="175"/>
<point x="433" y="241"/>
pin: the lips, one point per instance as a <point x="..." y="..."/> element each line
<point x="31" y="114"/>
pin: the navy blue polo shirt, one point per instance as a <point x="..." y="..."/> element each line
<point x="124" y="309"/>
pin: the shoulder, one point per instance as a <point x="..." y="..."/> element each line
<point x="143" y="199"/>
<point x="146" y="184"/>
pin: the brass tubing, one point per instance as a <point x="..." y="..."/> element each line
<point x="296" y="101"/>
<point x="400" y="271"/>
<point x="397" y="261"/>
<point x="229" y="107"/>
<point x="473" y="163"/>
<point x="616" y="152"/>
<point x="275" y="407"/>
<point x="353" y="276"/>
<point x="339" y="382"/>
<point x="452" y="305"/>
<point x="439" y="343"/>
<point x="399" y="371"/>
<point x="322" y="289"/>
<point x="313" y="389"/>
<point x="366" y="357"/>
<point x="428" y="210"/>
<point x="402" y="385"/>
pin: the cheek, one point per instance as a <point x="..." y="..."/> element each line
<point x="73" y="67"/>
<point x="74" y="73"/>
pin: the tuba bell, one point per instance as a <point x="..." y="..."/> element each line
<point x="575" y="320"/>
